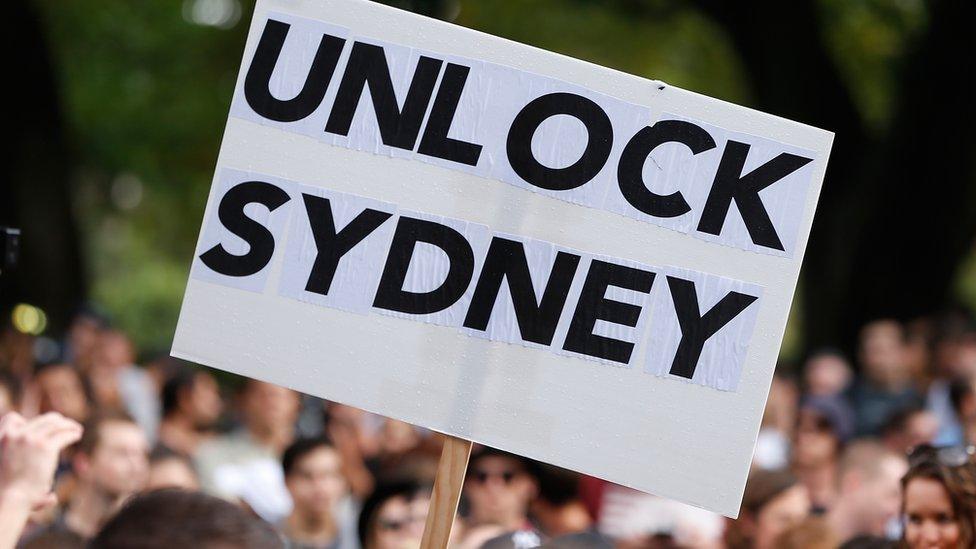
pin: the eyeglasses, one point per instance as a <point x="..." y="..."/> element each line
<point x="949" y="456"/>
<point x="397" y="525"/>
<point x="482" y="477"/>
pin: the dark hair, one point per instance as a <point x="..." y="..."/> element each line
<point x="529" y="466"/>
<point x="301" y="448"/>
<point x="91" y="436"/>
<point x="181" y="381"/>
<point x="897" y="421"/>
<point x="178" y="518"/>
<point x="958" y="391"/>
<point x="557" y="486"/>
<point x="383" y="493"/>
<point x="763" y="487"/>
<point x="959" y="482"/>
<point x="162" y="453"/>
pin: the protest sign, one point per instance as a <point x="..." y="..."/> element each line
<point x="503" y="244"/>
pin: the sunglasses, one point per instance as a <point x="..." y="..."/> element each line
<point x="949" y="456"/>
<point x="482" y="477"/>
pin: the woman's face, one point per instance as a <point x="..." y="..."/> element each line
<point x="930" y="521"/>
<point x="777" y="516"/>
<point x="400" y="523"/>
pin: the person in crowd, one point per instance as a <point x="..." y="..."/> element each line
<point x="169" y="469"/>
<point x="355" y="434"/>
<point x="167" y="518"/>
<point x="393" y="516"/>
<point x="635" y="519"/>
<point x="823" y="426"/>
<point x="869" y="493"/>
<point x="29" y="456"/>
<point x="313" y="476"/>
<point x="61" y="388"/>
<point x="558" y="509"/>
<point x="887" y="385"/>
<point x="909" y="428"/>
<point x="774" y="501"/>
<point x="955" y="365"/>
<point x="962" y="397"/>
<point x="498" y="490"/>
<point x="245" y="465"/>
<point x="83" y="336"/>
<point x="826" y="373"/>
<point x="9" y="393"/>
<point x="778" y="423"/>
<point x="191" y="407"/>
<point x="109" y="464"/>
<point x="117" y="383"/>
<point x="939" y="502"/>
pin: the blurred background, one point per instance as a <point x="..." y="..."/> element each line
<point x="119" y="110"/>
<point x="116" y="111"/>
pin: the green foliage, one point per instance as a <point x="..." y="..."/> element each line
<point x="146" y="95"/>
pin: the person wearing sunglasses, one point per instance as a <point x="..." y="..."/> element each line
<point x="393" y="516"/>
<point x="497" y="492"/>
<point x="939" y="504"/>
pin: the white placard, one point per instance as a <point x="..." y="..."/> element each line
<point x="503" y="244"/>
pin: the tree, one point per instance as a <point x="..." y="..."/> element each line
<point x="897" y="213"/>
<point x="35" y="195"/>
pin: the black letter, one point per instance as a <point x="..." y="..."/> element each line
<point x="630" y="176"/>
<point x="435" y="141"/>
<point x="731" y="185"/>
<point x="262" y="65"/>
<point x="258" y="237"/>
<point x="599" y="141"/>
<point x="367" y="66"/>
<point x="332" y="245"/>
<point x="537" y="319"/>
<point x="696" y="329"/>
<point x="390" y="294"/>
<point x="594" y="306"/>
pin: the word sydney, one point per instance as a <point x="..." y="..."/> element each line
<point x="528" y="130"/>
<point x="358" y="254"/>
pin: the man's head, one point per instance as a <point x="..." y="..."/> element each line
<point x="773" y="502"/>
<point x="499" y="487"/>
<point x="176" y="518"/>
<point x="822" y="427"/>
<point x="826" y="373"/>
<point x="909" y="428"/>
<point x="62" y="390"/>
<point x="194" y="395"/>
<point x="313" y="476"/>
<point x="168" y="469"/>
<point x="870" y="489"/>
<point x="112" y="456"/>
<point x="882" y="353"/>
<point x="393" y="516"/>
<point x="113" y="350"/>
<point x="266" y="407"/>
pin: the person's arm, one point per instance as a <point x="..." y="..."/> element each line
<point x="28" y="458"/>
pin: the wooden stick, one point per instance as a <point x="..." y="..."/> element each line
<point x="447" y="492"/>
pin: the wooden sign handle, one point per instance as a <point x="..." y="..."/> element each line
<point x="447" y="492"/>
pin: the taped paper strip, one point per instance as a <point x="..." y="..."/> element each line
<point x="361" y="255"/>
<point x="531" y="131"/>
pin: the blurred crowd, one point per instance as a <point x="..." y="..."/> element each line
<point x="858" y="452"/>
